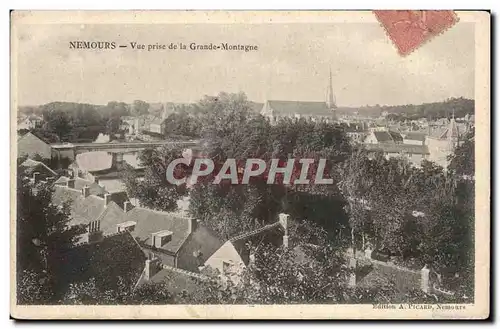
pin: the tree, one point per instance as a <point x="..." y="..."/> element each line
<point x="155" y="191"/>
<point x="462" y="161"/>
<point x="116" y="109"/>
<point x="59" y="123"/>
<point x="183" y="124"/>
<point x="89" y="293"/>
<point x="231" y="131"/>
<point x="42" y="234"/>
<point x="113" y="126"/>
<point x="140" y="108"/>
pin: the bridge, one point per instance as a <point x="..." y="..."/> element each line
<point x="70" y="150"/>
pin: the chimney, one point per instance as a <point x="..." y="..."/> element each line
<point x="424" y="279"/>
<point x="94" y="226"/>
<point x="127" y="206"/>
<point x="85" y="191"/>
<point x="107" y="199"/>
<point x="70" y="183"/>
<point x="352" y="276"/>
<point x="283" y="220"/>
<point x="153" y="266"/>
<point x="36" y="177"/>
<point x="251" y="257"/>
<point x="192" y="224"/>
<point x="96" y="179"/>
<point x="117" y="158"/>
<point x="95" y="233"/>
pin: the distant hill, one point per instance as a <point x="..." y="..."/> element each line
<point x="460" y="106"/>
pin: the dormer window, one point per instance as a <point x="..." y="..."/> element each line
<point x="158" y="239"/>
<point x="126" y="226"/>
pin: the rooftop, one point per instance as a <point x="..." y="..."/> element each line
<point x="95" y="188"/>
<point x="415" y="136"/>
<point x="290" y="108"/>
<point x="178" y="281"/>
<point x="272" y="233"/>
<point x="398" y="148"/>
<point x="31" y="166"/>
<point x="198" y="247"/>
<point x="387" y="136"/>
<point x="152" y="221"/>
<point x="84" y="210"/>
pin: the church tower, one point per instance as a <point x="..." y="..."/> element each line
<point x="330" y="98"/>
<point x="453" y="133"/>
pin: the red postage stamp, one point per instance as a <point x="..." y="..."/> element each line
<point x="409" y="29"/>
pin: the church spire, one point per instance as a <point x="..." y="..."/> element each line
<point x="330" y="98"/>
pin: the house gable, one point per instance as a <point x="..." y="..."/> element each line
<point x="31" y="145"/>
<point x="224" y="256"/>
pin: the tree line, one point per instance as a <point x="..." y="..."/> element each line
<point x="75" y="122"/>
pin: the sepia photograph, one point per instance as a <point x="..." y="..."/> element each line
<point x="250" y="165"/>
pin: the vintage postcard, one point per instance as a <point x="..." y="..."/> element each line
<point x="250" y="165"/>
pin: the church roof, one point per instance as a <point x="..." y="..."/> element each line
<point x="451" y="132"/>
<point x="291" y="108"/>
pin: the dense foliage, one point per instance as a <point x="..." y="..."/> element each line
<point x="42" y="236"/>
<point x="76" y="122"/>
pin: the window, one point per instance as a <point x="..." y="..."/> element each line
<point x="226" y="267"/>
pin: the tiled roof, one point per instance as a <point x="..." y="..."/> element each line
<point x="198" y="247"/>
<point x="151" y="221"/>
<point x="437" y="132"/>
<point x="415" y="136"/>
<point x="382" y="136"/>
<point x="157" y="121"/>
<point x="396" y="136"/>
<point x="31" y="135"/>
<point x="110" y="217"/>
<point x="272" y="233"/>
<point x="87" y="210"/>
<point x="452" y="131"/>
<point x="33" y="165"/>
<point x="62" y="194"/>
<point x="95" y="188"/>
<point x="177" y="280"/>
<point x="83" y="210"/>
<point x="290" y="108"/>
<point x="398" y="148"/>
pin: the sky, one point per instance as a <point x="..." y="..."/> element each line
<point x="292" y="63"/>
